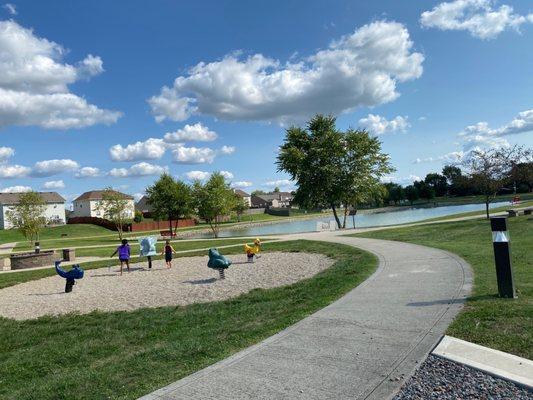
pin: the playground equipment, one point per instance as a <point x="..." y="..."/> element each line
<point x="253" y="250"/>
<point x="218" y="261"/>
<point x="75" y="273"/>
<point x="147" y="248"/>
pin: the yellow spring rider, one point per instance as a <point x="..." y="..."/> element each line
<point x="253" y="250"/>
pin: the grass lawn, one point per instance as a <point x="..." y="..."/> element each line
<point x="123" y="355"/>
<point x="74" y="230"/>
<point x="488" y="320"/>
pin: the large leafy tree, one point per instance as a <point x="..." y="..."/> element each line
<point x="331" y="168"/>
<point x="170" y="199"/>
<point x="116" y="208"/>
<point x="28" y="215"/>
<point x="214" y="200"/>
<point x="489" y="170"/>
<point x="438" y="182"/>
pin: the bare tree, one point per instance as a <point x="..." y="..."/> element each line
<point x="489" y="169"/>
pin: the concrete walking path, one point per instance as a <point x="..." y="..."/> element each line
<point x="363" y="346"/>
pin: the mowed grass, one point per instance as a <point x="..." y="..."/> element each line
<point x="74" y="230"/>
<point x="503" y="324"/>
<point x="123" y="355"/>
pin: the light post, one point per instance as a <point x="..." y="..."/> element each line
<point x="502" y="257"/>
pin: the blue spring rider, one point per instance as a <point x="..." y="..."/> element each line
<point x="75" y="273"/>
<point x="218" y="261"/>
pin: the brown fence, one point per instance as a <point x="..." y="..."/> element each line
<point x="160" y="225"/>
<point x="134" y="227"/>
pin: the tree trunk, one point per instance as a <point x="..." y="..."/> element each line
<point x="487" y="208"/>
<point x="345" y="215"/>
<point x="170" y="223"/>
<point x="353" y="218"/>
<point x="336" y="216"/>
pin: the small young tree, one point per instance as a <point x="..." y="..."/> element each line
<point x="170" y="199"/>
<point x="490" y="169"/>
<point x="213" y="200"/>
<point x="115" y="208"/>
<point x="240" y="206"/>
<point x="28" y="215"/>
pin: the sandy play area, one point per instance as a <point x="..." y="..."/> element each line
<point x="189" y="281"/>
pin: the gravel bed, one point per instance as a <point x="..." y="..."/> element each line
<point x="438" y="378"/>
<point x="188" y="281"/>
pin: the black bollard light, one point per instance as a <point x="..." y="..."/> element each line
<point x="37" y="247"/>
<point x="149" y="262"/>
<point x="502" y="257"/>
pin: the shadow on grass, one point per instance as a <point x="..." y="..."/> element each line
<point x="453" y="301"/>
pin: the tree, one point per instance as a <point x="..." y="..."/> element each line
<point x="115" y="208"/>
<point x="213" y="200"/>
<point x="452" y="174"/>
<point x="240" y="206"/>
<point x="438" y="183"/>
<point x="426" y="191"/>
<point x="411" y="193"/>
<point x="28" y="215"/>
<point x="138" y="216"/>
<point x="170" y="199"/>
<point x="490" y="169"/>
<point x="331" y="168"/>
<point x="276" y="189"/>
<point x="522" y="177"/>
<point x="395" y="193"/>
<point x="258" y="192"/>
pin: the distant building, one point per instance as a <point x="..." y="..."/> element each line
<point x="54" y="211"/>
<point x="143" y="207"/>
<point x="245" y="196"/>
<point x="88" y="205"/>
<point x="274" y="200"/>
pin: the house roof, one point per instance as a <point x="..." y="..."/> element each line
<point x="48" y="197"/>
<point x="142" y="205"/>
<point x="275" y="196"/>
<point x="97" y="195"/>
<point x="241" y="193"/>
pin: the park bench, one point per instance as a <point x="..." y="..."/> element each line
<point x="167" y="234"/>
<point x="512" y="213"/>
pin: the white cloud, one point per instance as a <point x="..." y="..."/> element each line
<point x="360" y="69"/>
<point x="6" y="153"/>
<point x="475" y="16"/>
<point x="241" y="184"/>
<point x="226" y="174"/>
<point x="193" y="155"/>
<point x="150" y="149"/>
<point x="53" y="167"/>
<point x="136" y="170"/>
<point x="279" y="182"/>
<point x="522" y="123"/>
<point x="16" y="189"/>
<point x="406" y="180"/>
<point x="54" y="185"/>
<point x="196" y="132"/>
<point x="14" y="171"/>
<point x="452" y="157"/>
<point x="227" y="150"/>
<point x="34" y="83"/>
<point x="88" y="172"/>
<point x="197" y="175"/>
<point x="10" y="8"/>
<point x="379" y="125"/>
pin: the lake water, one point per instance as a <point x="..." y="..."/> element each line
<point x="361" y="220"/>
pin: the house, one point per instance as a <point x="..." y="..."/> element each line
<point x="88" y="205"/>
<point x="245" y="196"/>
<point x="143" y="207"/>
<point x="273" y="199"/>
<point x="54" y="211"/>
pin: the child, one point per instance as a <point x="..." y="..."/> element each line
<point x="123" y="254"/>
<point x="167" y="251"/>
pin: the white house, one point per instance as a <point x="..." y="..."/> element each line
<point x="54" y="211"/>
<point x="89" y="205"/>
<point x="245" y="196"/>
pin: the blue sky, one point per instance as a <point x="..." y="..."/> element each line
<point x="82" y="77"/>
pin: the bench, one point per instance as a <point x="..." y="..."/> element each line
<point x="512" y="213"/>
<point x="528" y="211"/>
<point x="167" y="234"/>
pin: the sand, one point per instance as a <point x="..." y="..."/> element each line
<point x="188" y="281"/>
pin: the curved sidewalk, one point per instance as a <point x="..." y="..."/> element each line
<point x="362" y="346"/>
